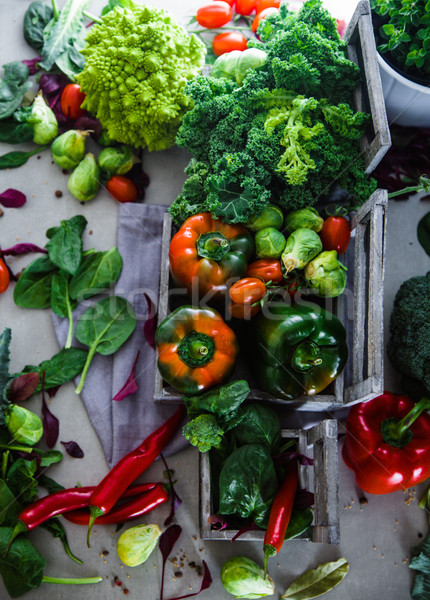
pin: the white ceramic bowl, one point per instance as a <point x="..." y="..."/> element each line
<point x="407" y="103"/>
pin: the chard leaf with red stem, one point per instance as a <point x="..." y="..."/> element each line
<point x="304" y="499"/>
<point x="51" y="424"/>
<point x="150" y="324"/>
<point x="176" y="501"/>
<point x="206" y="583"/>
<point x="166" y="543"/>
<point x="130" y="386"/>
<point x="12" y="198"/>
<point x="23" y="387"/>
<point x="20" y="249"/>
<point x="218" y="522"/>
<point x="73" y="449"/>
<point x="244" y="529"/>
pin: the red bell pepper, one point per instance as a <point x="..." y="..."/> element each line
<point x="387" y="443"/>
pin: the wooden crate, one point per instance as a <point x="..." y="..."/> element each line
<point x="360" y="308"/>
<point x="319" y="443"/>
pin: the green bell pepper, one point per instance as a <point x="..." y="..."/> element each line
<point x="296" y="350"/>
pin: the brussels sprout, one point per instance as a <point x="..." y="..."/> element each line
<point x="24" y="426"/>
<point x="326" y="275"/>
<point x="116" y="161"/>
<point x="305" y="218"/>
<point x="235" y="65"/>
<point x="302" y="246"/>
<point x="43" y="121"/>
<point x="270" y="217"/>
<point x="269" y="243"/>
<point x="136" y="544"/>
<point x="243" y="578"/>
<point x="84" y="181"/>
<point x="68" y="149"/>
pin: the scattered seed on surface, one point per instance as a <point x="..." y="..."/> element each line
<point x="58" y="193"/>
<point x="125" y="590"/>
<point x="178" y="574"/>
<point x="363" y="501"/>
<point x="65" y="171"/>
<point x="420" y="535"/>
<point x="38" y="156"/>
<point x="1" y="212"/>
<point x="90" y="232"/>
<point x="17" y="238"/>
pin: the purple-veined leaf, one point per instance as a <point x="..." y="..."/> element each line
<point x="140" y="180"/>
<point x="130" y="386"/>
<point x="20" y="249"/>
<point x="53" y="391"/>
<point x="11" y="198"/>
<point x="244" y="529"/>
<point x="150" y="324"/>
<point x="32" y="64"/>
<point x="304" y="499"/>
<point x="23" y="387"/>
<point x="89" y="123"/>
<point x="73" y="449"/>
<point x="51" y="424"/>
<point x="175" y="501"/>
<point x="166" y="543"/>
<point x="218" y="522"/>
<point x="206" y="583"/>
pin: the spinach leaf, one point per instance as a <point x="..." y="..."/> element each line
<point x="5" y="338"/>
<point x="21" y="481"/>
<point x="36" y="18"/>
<point x="315" y="582"/>
<point x="12" y="160"/>
<point x="300" y="521"/>
<point x="56" y="528"/>
<point x="50" y="484"/>
<point x="248" y="484"/>
<point x="12" y="132"/>
<point x="13" y="87"/>
<point x="104" y="327"/>
<point x="423" y="232"/>
<point x="260" y="425"/>
<point x="48" y="458"/>
<point x="221" y="401"/>
<point x="65" y="246"/>
<point x="61" y="303"/>
<point x="60" y="368"/>
<point x="9" y="505"/>
<point x="61" y="33"/>
<point x="421" y="565"/>
<point x="33" y="288"/>
<point x="22" y="567"/>
<point x="97" y="272"/>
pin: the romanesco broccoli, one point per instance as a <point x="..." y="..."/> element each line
<point x="137" y="62"/>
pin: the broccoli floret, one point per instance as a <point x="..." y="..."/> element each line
<point x="137" y="62"/>
<point x="203" y="432"/>
<point x="408" y="347"/>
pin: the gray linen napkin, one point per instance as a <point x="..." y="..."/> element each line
<point x="121" y="426"/>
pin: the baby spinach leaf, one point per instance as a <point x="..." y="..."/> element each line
<point x="33" y="288"/>
<point x="5" y="339"/>
<point x="12" y="160"/>
<point x="222" y="401"/>
<point x="50" y="484"/>
<point x="315" y="582"/>
<point x="13" y="87"/>
<point x="423" y="232"/>
<point x="60" y="368"/>
<point x="260" y="425"/>
<point x="104" y="327"/>
<point x="420" y="563"/>
<point x="98" y="272"/>
<point x="9" y="506"/>
<point x="50" y="457"/>
<point x="36" y="18"/>
<point x="22" y="567"/>
<point x="61" y="303"/>
<point x="12" y="132"/>
<point x="65" y="246"/>
<point x="300" y="521"/>
<point x="114" y="3"/>
<point x="21" y="481"/>
<point x="56" y="529"/>
<point x="248" y="483"/>
<point x="62" y="32"/>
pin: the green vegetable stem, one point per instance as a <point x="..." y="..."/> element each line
<point x="12" y="160"/>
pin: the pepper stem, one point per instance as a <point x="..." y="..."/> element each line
<point x="71" y="580"/>
<point x="269" y="551"/>
<point x="306" y="355"/>
<point x="397" y="432"/>
<point x="212" y="245"/>
<point x="196" y="349"/>
<point x="95" y="512"/>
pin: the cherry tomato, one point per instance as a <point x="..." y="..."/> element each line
<point x="262" y="15"/>
<point x="262" y="4"/>
<point x="214" y="15"/>
<point x="228" y="41"/>
<point x="243" y="311"/>
<point x="247" y="290"/>
<point x="231" y="2"/>
<point x="122" y="188"/>
<point x="267" y="269"/>
<point x="4" y="277"/>
<point x="336" y="233"/>
<point x="245" y="7"/>
<point x="71" y="100"/>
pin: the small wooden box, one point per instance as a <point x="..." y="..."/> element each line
<point x="319" y="443"/>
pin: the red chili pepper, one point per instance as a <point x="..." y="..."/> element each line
<point x="280" y="513"/>
<point x="387" y="443"/>
<point x="63" y="501"/>
<point x="130" y="467"/>
<point x="136" y="507"/>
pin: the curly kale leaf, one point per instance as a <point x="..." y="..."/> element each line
<point x="192" y="198"/>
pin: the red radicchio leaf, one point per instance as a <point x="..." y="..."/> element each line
<point x="304" y="499"/>
<point x="166" y="542"/>
<point x="52" y="87"/>
<point x="140" y="180"/>
<point x="11" y="198"/>
<point x="130" y="386"/>
<point x="176" y="501"/>
<point x="218" y="522"/>
<point x="20" y="249"/>
<point x="51" y="424"/>
<point x="88" y="123"/>
<point x="206" y="583"/>
<point x="32" y="64"/>
<point x="73" y="449"/>
<point x="244" y="529"/>
<point x="150" y="325"/>
<point x="23" y="387"/>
